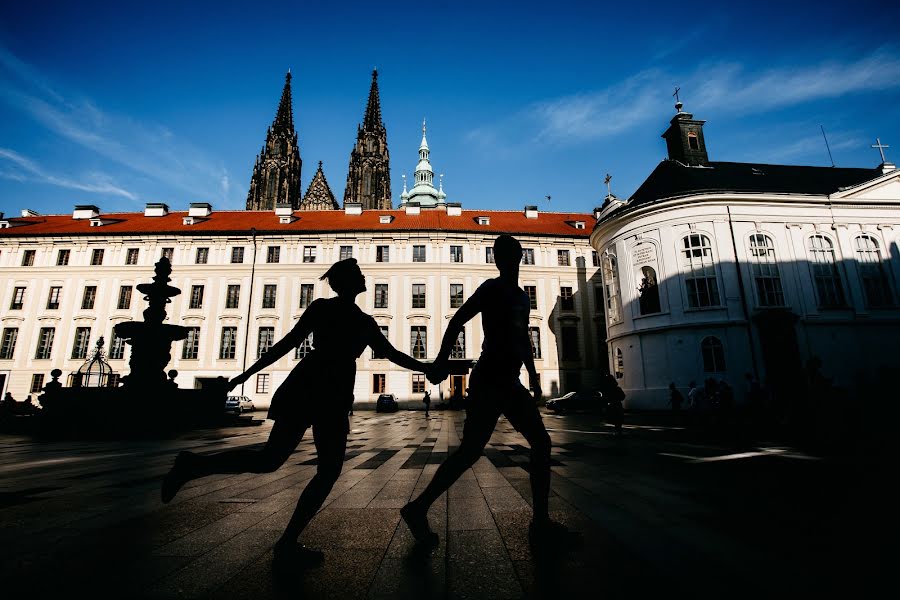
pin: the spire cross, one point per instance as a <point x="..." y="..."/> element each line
<point x="423" y="126"/>
<point x="606" y="181"/>
<point x="677" y="89"/>
<point x="881" y="148"/>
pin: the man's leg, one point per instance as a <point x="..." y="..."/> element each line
<point x="479" y="425"/>
<point x="331" y="446"/>
<point x="282" y="442"/>
<point x="526" y="418"/>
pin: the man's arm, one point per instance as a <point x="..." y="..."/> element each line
<point x="528" y="359"/>
<point x="300" y="332"/>
<point x="383" y="347"/>
<point x="466" y="312"/>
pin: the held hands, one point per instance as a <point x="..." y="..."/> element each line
<point x="437" y="371"/>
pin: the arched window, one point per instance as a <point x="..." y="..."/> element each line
<point x="693" y="142"/>
<point x="700" y="272"/>
<point x="713" y="355"/>
<point x="611" y="285"/>
<point x="829" y="293"/>
<point x="765" y="271"/>
<point x="270" y="187"/>
<point x="620" y="364"/>
<point x="871" y="272"/>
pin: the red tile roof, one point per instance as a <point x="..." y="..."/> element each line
<point x="308" y="222"/>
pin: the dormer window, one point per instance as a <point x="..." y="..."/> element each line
<point x="483" y="220"/>
<point x="385" y="219"/>
<point x="693" y="142"/>
<point x="578" y="224"/>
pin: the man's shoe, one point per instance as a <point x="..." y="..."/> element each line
<point x="417" y="521"/>
<point x="176" y="477"/>
<point x="294" y="554"/>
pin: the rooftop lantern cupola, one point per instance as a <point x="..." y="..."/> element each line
<point x="684" y="138"/>
<point x="423" y="190"/>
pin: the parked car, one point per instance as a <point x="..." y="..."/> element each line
<point x="235" y="405"/>
<point x="576" y="402"/>
<point x="386" y="403"/>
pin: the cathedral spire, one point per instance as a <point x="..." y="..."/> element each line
<point x="369" y="173"/>
<point x="372" y="120"/>
<point x="276" y="173"/>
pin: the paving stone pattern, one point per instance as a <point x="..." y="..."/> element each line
<point x="654" y="518"/>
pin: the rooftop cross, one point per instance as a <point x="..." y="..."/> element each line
<point x="881" y="148"/>
<point x="606" y="181"/>
<point x="678" y="103"/>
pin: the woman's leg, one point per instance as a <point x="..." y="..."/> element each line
<point x="331" y="445"/>
<point x="282" y="442"/>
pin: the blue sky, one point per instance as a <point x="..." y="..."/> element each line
<point x="119" y="105"/>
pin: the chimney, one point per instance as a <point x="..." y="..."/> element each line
<point x="413" y="208"/>
<point x="82" y="211"/>
<point x="156" y="209"/>
<point x="352" y="208"/>
<point x="200" y="209"/>
<point x="285" y="213"/>
<point x="454" y="209"/>
<point x="531" y="212"/>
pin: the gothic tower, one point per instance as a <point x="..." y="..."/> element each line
<point x="276" y="174"/>
<point x="369" y="175"/>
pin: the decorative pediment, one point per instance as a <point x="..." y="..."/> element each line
<point x="318" y="195"/>
<point x="886" y="187"/>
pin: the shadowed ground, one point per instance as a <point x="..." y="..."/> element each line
<point x="659" y="511"/>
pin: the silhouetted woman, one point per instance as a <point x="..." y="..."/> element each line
<point x="317" y="393"/>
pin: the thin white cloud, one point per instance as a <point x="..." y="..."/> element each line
<point x="724" y="88"/>
<point x="20" y="168"/>
<point x="150" y="150"/>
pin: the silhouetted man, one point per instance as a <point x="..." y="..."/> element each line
<point x="494" y="390"/>
<point x="427" y="400"/>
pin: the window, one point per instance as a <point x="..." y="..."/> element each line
<point x="598" y="299"/>
<point x="18" y="299"/>
<point x="131" y="257"/>
<point x="534" y="334"/>
<point x="693" y="143"/>
<point x="96" y="257"/>
<point x="28" y="258"/>
<point x="237" y="254"/>
<point x="346" y="252"/>
<point x="262" y="383"/>
<point x="53" y="297"/>
<point x="459" y="346"/>
<point x="124" y="298"/>
<point x="532" y="296"/>
<point x="269" y="292"/>
<point x="489" y="256"/>
<point x="611" y="286"/>
<point x="418" y="295"/>
<point x="273" y="254"/>
<point x="306" y="295"/>
<point x="116" y="346"/>
<point x="384" y="332"/>
<point x="418" y="341"/>
<point x="765" y="271"/>
<point x="713" y="355"/>
<point x="569" y="343"/>
<point x="232" y="296"/>
<point x="381" y="295"/>
<point x="8" y="343"/>
<point x="483" y="220"/>
<point x="89" y="297"/>
<point x="619" y="366"/>
<point x="700" y="272"/>
<point x="456" y="254"/>
<point x="45" y="343"/>
<point x="648" y="291"/>
<point x="595" y="257"/>
<point x="304" y="348"/>
<point x="309" y="254"/>
<point x="562" y="258"/>
<point x="418" y="383"/>
<point x="115" y="380"/>
<point x="578" y="224"/>
<point x="62" y="258"/>
<point x="196" y="296"/>
<point x="37" y="383"/>
<point x="80" y="345"/>
<point x="202" y="256"/>
<point x="228" y="344"/>
<point x="191" y="348"/>
<point x="456" y="295"/>
<point x="168" y="253"/>
<point x="829" y="292"/>
<point x="418" y="253"/>
<point x="382" y="253"/>
<point x="871" y="272"/>
<point x="566" y="299"/>
<point x="378" y="383"/>
<point x="528" y="256"/>
<point x="266" y="339"/>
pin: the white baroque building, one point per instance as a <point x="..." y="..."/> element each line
<point x="720" y="269"/>
<point x="247" y="276"/>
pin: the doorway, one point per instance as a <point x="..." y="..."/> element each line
<point x="457" y="391"/>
